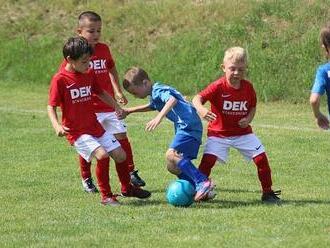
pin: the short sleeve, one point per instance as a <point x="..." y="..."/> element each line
<point x="320" y="81"/>
<point x="209" y="92"/>
<point x="55" y="98"/>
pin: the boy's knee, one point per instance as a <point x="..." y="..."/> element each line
<point x="118" y="155"/>
<point x="100" y="153"/>
<point x="172" y="159"/>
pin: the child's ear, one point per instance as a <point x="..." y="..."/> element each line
<point x="79" y="31"/>
<point x="145" y="82"/>
<point x="222" y="67"/>
<point x="68" y="59"/>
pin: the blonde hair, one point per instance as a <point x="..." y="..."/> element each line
<point x="235" y="54"/>
<point x="135" y="76"/>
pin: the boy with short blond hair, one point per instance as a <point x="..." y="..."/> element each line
<point x="188" y="126"/>
<point x="233" y="106"/>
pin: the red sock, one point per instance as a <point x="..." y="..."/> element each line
<point x="207" y="163"/>
<point x="126" y="145"/>
<point x="85" y="168"/>
<point x="264" y="172"/>
<point x="102" y="175"/>
<point x="123" y="175"/>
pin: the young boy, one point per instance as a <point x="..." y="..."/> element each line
<point x="188" y="127"/>
<point x="322" y="82"/>
<point x="71" y="89"/>
<point x="89" y="27"/>
<point x="233" y="106"/>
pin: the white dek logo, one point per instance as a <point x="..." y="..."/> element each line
<point x="97" y="64"/>
<point x="235" y="105"/>
<point x="328" y="74"/>
<point x="81" y="92"/>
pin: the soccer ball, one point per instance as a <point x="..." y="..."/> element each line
<point x="180" y="193"/>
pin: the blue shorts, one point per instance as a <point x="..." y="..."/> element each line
<point x="187" y="145"/>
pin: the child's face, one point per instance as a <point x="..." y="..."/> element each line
<point x="91" y="31"/>
<point x="80" y="65"/>
<point x="234" y="71"/>
<point x="139" y="91"/>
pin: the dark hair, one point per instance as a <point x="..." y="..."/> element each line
<point x="135" y="76"/>
<point x="76" y="47"/>
<point x="89" y="15"/>
<point x="325" y="36"/>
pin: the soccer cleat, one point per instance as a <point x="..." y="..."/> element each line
<point x="137" y="192"/>
<point x="210" y="195"/>
<point x="110" y="201"/>
<point x="89" y="186"/>
<point x="203" y="189"/>
<point x="136" y="180"/>
<point x="271" y="197"/>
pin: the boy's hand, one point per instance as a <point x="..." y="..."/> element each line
<point x="121" y="113"/>
<point x="121" y="98"/>
<point x="244" y="122"/>
<point x="62" y="131"/>
<point x="207" y="115"/>
<point x="322" y="121"/>
<point x="151" y="125"/>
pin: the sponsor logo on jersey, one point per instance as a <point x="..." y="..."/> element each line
<point x="82" y="94"/>
<point x="235" y="105"/>
<point x="98" y="65"/>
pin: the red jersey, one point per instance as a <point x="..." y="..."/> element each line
<point x="230" y="105"/>
<point x="101" y="62"/>
<point x="72" y="91"/>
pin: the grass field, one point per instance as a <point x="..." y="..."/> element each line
<point x="43" y="205"/>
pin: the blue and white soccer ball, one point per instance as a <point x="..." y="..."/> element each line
<point x="180" y="193"/>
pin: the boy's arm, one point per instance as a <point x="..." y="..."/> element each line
<point x="321" y="120"/>
<point x="59" y="129"/>
<point x="151" y="125"/>
<point x="108" y="99"/>
<point x="141" y="108"/>
<point x="202" y="111"/>
<point x="244" y="122"/>
<point x="116" y="87"/>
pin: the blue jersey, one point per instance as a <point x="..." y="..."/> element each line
<point x="322" y="82"/>
<point x="183" y="115"/>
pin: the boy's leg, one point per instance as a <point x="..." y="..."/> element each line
<point x="264" y="172"/>
<point x="207" y="163"/>
<point x="126" y="145"/>
<point x="112" y="124"/>
<point x="86" y="175"/>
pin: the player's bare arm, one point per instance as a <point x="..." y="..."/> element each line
<point x="151" y="125"/>
<point x="321" y="120"/>
<point x="120" y="97"/>
<point x="203" y="111"/>
<point x="59" y="129"/>
<point x="244" y="122"/>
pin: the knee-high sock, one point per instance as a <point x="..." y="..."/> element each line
<point x="264" y="172"/>
<point x="123" y="175"/>
<point x="85" y="168"/>
<point x="189" y="170"/>
<point x="102" y="175"/>
<point x="126" y="145"/>
<point x="207" y="163"/>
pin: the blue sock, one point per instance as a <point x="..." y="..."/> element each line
<point x="184" y="177"/>
<point x="190" y="171"/>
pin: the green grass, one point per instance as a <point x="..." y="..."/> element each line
<point x="43" y="205"/>
<point x="179" y="42"/>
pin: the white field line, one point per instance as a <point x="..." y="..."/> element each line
<point x="137" y="116"/>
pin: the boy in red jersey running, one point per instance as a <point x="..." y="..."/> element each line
<point x="89" y="27"/>
<point x="233" y="106"/>
<point x="71" y="89"/>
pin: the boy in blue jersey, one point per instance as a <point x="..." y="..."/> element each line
<point x="322" y="82"/>
<point x="187" y="124"/>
